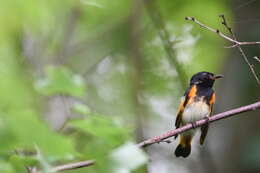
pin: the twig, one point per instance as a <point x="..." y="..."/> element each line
<point x="65" y="167"/>
<point x="236" y="43"/>
<point x="251" y="67"/>
<point x="71" y="166"/>
<point x="199" y="123"/>
<point x="233" y="40"/>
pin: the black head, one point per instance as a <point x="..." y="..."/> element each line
<point x="205" y="79"/>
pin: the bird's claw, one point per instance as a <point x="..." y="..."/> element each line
<point x="194" y="125"/>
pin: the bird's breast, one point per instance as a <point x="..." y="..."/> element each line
<point x="195" y="111"/>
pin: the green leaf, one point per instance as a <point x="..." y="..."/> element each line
<point x="29" y="130"/>
<point x="19" y="162"/>
<point x="103" y="127"/>
<point x="7" y="167"/>
<point x="81" y="109"/>
<point x="60" y="80"/>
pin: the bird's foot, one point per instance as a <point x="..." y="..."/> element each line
<point x="194" y="125"/>
<point x="207" y="119"/>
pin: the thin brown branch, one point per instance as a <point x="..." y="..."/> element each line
<point x="199" y="123"/>
<point x="251" y="67"/>
<point x="233" y="40"/>
<point x="232" y="46"/>
<point x="65" y="167"/>
<point x="236" y="43"/>
<point x="71" y="166"/>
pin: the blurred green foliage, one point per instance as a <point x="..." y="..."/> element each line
<point x="61" y="81"/>
<point x="50" y="48"/>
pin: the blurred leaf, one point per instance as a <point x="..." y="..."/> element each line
<point x="128" y="157"/>
<point x="45" y="166"/>
<point x="81" y="109"/>
<point x="19" y="162"/>
<point x="6" y="167"/>
<point x="60" y="80"/>
<point x="103" y="127"/>
<point x="54" y="145"/>
<point x="92" y="3"/>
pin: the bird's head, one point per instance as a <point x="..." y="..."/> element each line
<point x="205" y="79"/>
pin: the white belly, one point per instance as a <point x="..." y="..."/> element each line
<point x="194" y="112"/>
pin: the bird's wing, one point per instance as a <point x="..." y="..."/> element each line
<point x="190" y="93"/>
<point x="204" y="128"/>
<point x="179" y="113"/>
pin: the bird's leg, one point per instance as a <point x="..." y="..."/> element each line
<point x="175" y="136"/>
<point x="194" y="125"/>
<point x="207" y="119"/>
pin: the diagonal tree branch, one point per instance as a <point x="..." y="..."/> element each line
<point x="65" y="167"/>
<point x="233" y="40"/>
<point x="71" y="166"/>
<point x="199" y="123"/>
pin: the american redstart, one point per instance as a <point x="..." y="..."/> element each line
<point x="196" y="104"/>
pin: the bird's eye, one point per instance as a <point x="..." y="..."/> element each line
<point x="199" y="81"/>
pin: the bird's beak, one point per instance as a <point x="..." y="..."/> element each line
<point x="218" y="76"/>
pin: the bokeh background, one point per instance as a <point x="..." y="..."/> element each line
<point x="87" y="79"/>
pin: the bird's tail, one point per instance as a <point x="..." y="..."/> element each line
<point x="184" y="147"/>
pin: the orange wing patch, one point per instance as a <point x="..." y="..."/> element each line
<point x="212" y="99"/>
<point x="193" y="91"/>
<point x="187" y="99"/>
<point x="192" y="94"/>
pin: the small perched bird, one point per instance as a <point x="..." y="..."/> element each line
<point x="196" y="104"/>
